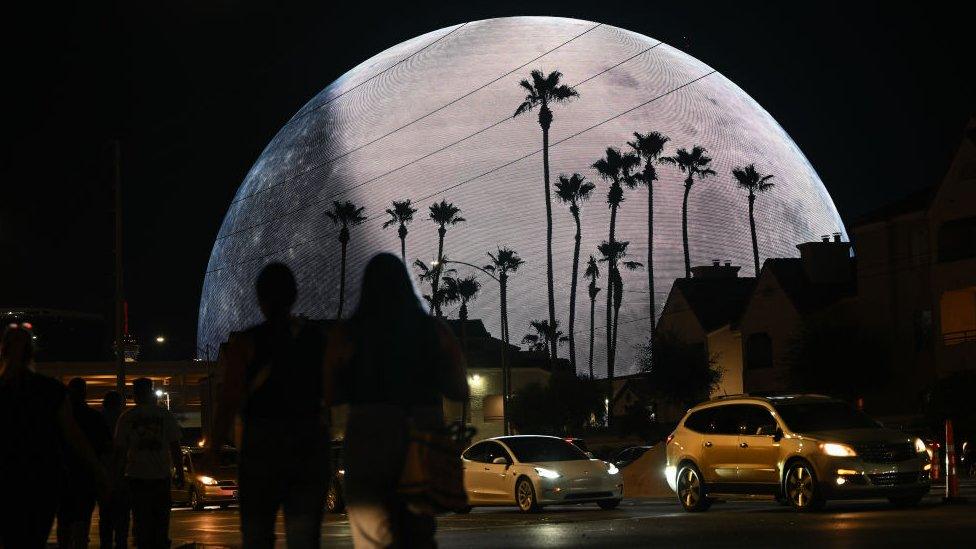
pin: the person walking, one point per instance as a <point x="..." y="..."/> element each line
<point x="37" y="432"/>
<point x="113" y="512"/>
<point x="273" y="376"/>
<point x="147" y="444"/>
<point x="78" y="497"/>
<point x="393" y="364"/>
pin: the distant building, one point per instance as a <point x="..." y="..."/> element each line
<point x="788" y="293"/>
<point x="916" y="271"/>
<point x="704" y="310"/>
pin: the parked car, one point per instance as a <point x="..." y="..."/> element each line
<point x="803" y="449"/>
<point x="629" y="455"/>
<point x="205" y="487"/>
<point x="335" y="501"/>
<point x="531" y="471"/>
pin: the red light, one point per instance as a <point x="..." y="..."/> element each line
<point x="27" y="326"/>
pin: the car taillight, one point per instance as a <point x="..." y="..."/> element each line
<point x="669" y="439"/>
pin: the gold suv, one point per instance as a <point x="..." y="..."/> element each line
<point x="802" y="449"/>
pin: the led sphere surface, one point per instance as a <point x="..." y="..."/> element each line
<point x="431" y="119"/>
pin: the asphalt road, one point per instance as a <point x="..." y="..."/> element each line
<point x="656" y="523"/>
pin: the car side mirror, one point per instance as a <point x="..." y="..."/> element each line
<point x="500" y="460"/>
<point x="778" y="435"/>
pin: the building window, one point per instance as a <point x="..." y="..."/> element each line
<point x="958" y="316"/>
<point x="957" y="239"/>
<point x="759" y="351"/>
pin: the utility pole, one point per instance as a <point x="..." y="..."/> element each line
<point x="119" y="298"/>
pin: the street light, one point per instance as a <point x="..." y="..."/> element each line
<point x="160" y="339"/>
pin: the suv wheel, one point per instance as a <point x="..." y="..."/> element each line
<point x="196" y="502"/>
<point x="801" y="487"/>
<point x="691" y="490"/>
<point x="525" y="496"/>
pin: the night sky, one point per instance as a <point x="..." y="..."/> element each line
<point x="875" y="96"/>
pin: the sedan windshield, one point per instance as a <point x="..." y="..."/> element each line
<point x="804" y="417"/>
<point x="539" y="449"/>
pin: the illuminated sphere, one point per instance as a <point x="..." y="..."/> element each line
<point x="431" y="119"/>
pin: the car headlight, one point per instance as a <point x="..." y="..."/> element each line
<point x="920" y="446"/>
<point x="209" y="481"/>
<point x="612" y="469"/>
<point x="837" y="450"/>
<point x="546" y="473"/>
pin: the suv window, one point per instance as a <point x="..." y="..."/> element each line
<point x="700" y="421"/>
<point x="756" y="420"/>
<point x="727" y="419"/>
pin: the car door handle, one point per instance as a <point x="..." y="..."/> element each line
<point x="708" y="444"/>
<point x="743" y="445"/>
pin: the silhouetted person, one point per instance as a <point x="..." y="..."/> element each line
<point x="78" y="496"/>
<point x="275" y="370"/>
<point x="147" y="443"/>
<point x="113" y="513"/>
<point x="37" y="429"/>
<point x="393" y="363"/>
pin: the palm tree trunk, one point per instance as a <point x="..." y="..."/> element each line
<point x="403" y="243"/>
<point x="549" y="281"/>
<point x="592" y="326"/>
<point x="752" y="227"/>
<point x="572" y="293"/>
<point x="652" y="304"/>
<point x="684" y="226"/>
<point x="505" y="373"/>
<point x="610" y="349"/>
<point x="434" y="284"/>
<point x="342" y="280"/>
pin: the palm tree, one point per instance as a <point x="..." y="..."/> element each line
<point x="693" y="163"/>
<point x="401" y="214"/>
<point x="649" y="148"/>
<point x="573" y="190"/>
<point x="443" y="214"/>
<point x="429" y="274"/>
<point x="503" y="262"/>
<point x="466" y="289"/>
<point x="593" y="273"/>
<point x="542" y="92"/>
<point x="613" y="255"/>
<point x="344" y="215"/>
<point x="540" y="340"/>
<point x="616" y="168"/>
<point x="755" y="182"/>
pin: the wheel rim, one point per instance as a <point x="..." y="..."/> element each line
<point x="194" y="499"/>
<point x="331" y="499"/>
<point x="799" y="486"/>
<point x="525" y="496"/>
<point x="689" y="488"/>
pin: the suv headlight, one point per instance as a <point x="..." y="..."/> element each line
<point x="209" y="481"/>
<point x="920" y="446"/>
<point x="837" y="450"/>
<point x="612" y="469"/>
<point x="546" y="473"/>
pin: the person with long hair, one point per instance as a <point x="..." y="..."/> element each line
<point x="393" y="364"/>
<point x="273" y="377"/>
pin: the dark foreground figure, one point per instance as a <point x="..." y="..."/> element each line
<point x="275" y="369"/>
<point x="393" y="364"/>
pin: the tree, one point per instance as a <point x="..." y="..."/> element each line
<point x="443" y="214"/>
<point x="562" y="407"/>
<point x="755" y="183"/>
<point x="693" y="163"/>
<point x="680" y="372"/>
<point x="466" y="289"/>
<point x="544" y="334"/>
<point x="344" y="215"/>
<point x="504" y="262"/>
<point x="573" y="190"/>
<point x="592" y="273"/>
<point x="542" y="92"/>
<point x="830" y="356"/>
<point x="401" y="214"/>
<point x="649" y="148"/>
<point x="429" y="274"/>
<point x="613" y="255"/>
<point x="614" y="168"/>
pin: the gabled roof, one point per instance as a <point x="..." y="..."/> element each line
<point x="804" y="294"/>
<point x="715" y="301"/>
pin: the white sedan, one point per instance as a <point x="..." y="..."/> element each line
<point x="530" y="471"/>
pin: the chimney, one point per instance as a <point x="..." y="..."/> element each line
<point x="715" y="270"/>
<point x="827" y="262"/>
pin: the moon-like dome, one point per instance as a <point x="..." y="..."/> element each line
<point x="431" y="119"/>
